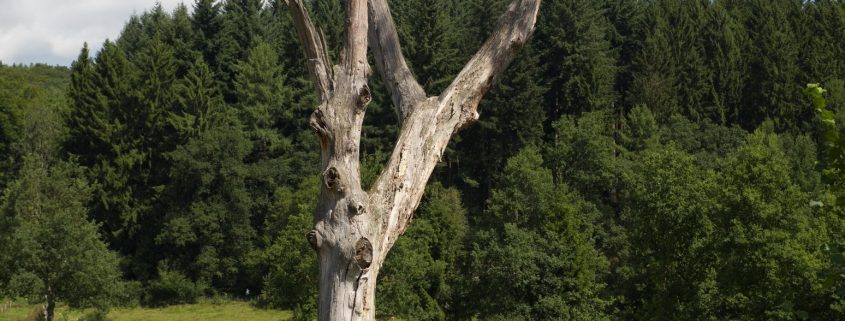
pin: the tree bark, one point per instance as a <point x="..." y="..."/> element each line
<point x="50" y="308"/>
<point x="354" y="228"/>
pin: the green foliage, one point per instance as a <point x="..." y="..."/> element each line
<point x="208" y="233"/>
<point x="50" y="249"/>
<point x="639" y="160"/>
<point x="96" y="315"/>
<point x="55" y="250"/>
<point x="430" y="42"/>
<point x="22" y="88"/>
<point x="292" y="277"/>
<point x="584" y="155"/>
<point x="541" y="264"/>
<point x="579" y="64"/>
<point x="172" y="288"/>
<point x="834" y="168"/>
<point x="666" y="218"/>
<point x="418" y="280"/>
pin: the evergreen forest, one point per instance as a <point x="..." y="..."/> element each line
<point x="639" y="160"/>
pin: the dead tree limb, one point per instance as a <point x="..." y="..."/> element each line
<point x="355" y="229"/>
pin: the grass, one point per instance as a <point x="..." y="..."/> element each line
<point x="206" y="310"/>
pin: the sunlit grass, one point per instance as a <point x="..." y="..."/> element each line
<point x="207" y="310"/>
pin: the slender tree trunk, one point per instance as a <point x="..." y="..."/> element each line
<point x="49" y="310"/>
<point x="354" y="228"/>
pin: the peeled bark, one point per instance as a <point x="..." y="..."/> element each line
<point x="354" y="228"/>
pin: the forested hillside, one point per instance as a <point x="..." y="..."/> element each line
<point x="639" y="160"/>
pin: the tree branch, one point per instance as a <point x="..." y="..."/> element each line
<point x="427" y="130"/>
<point x="355" y="53"/>
<point x="514" y="28"/>
<point x="313" y="43"/>
<point x="405" y="91"/>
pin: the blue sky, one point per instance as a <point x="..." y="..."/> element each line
<point x="53" y="31"/>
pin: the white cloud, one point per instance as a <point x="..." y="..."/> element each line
<point x="53" y="31"/>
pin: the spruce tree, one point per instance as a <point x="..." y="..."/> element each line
<point x="182" y="40"/>
<point x="514" y="115"/>
<point x="240" y="31"/>
<point x="100" y="137"/>
<point x="579" y="64"/>
<point x="688" y="19"/>
<point x="207" y="24"/>
<point x="654" y="73"/>
<point x="330" y="17"/>
<point x="207" y="232"/>
<point x="198" y="100"/>
<point x="429" y="41"/>
<point x="773" y="89"/>
<point x="726" y="39"/>
<point x="89" y="118"/>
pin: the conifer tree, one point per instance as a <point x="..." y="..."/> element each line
<point x="240" y="31"/>
<point x="89" y="118"/>
<point x="429" y="41"/>
<point x="261" y="91"/>
<point x="773" y="89"/>
<point x="133" y="37"/>
<point x="654" y="72"/>
<point x="514" y="115"/>
<point x="100" y="138"/>
<point x="198" y="100"/>
<point x="726" y="38"/>
<point x="688" y="21"/>
<point x="182" y="40"/>
<point x="580" y="65"/>
<point x="329" y="16"/>
<point x="207" y="232"/>
<point x="628" y="19"/>
<point x="207" y="24"/>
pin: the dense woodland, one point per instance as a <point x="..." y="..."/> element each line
<point x="639" y="160"/>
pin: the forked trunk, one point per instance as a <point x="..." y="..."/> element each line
<point x="354" y="228"/>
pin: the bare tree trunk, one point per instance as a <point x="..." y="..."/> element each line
<point x="50" y="308"/>
<point x="354" y="228"/>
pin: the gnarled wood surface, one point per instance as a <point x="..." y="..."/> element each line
<point x="354" y="228"/>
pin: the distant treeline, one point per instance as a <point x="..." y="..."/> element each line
<point x="639" y="160"/>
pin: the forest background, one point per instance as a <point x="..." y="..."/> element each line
<point x="640" y="160"/>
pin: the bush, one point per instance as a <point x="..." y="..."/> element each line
<point x="129" y="295"/>
<point x="96" y="315"/>
<point x="172" y="288"/>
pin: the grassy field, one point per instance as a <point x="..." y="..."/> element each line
<point x="203" y="311"/>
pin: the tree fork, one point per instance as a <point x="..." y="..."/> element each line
<point x="354" y="228"/>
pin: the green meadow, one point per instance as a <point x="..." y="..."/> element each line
<point x="207" y="310"/>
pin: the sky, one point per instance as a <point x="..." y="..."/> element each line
<point x="53" y="31"/>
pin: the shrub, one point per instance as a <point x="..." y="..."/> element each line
<point x="96" y="315"/>
<point x="172" y="288"/>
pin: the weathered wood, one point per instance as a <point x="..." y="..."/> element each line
<point x="404" y="89"/>
<point x="432" y="122"/>
<point x="313" y="43"/>
<point x="355" y="229"/>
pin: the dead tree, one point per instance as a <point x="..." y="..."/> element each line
<point x="355" y="228"/>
